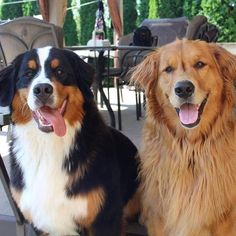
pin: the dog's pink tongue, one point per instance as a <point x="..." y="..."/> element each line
<point x="188" y="113"/>
<point x="56" y="120"/>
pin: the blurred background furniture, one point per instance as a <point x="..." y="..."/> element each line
<point x="128" y="56"/>
<point x="26" y="33"/>
<point x="169" y="29"/>
<point x="22" y="34"/>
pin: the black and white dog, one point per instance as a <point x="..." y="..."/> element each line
<point x="68" y="169"/>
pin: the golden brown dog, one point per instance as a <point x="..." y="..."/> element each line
<point x="188" y="166"/>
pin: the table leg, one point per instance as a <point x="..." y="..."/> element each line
<point x="100" y="68"/>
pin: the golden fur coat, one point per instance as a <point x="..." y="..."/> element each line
<point x="189" y="174"/>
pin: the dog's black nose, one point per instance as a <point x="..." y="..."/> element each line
<point x="43" y="91"/>
<point x="184" y="89"/>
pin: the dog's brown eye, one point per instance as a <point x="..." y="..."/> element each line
<point x="59" y="72"/>
<point x="199" y="65"/>
<point x="169" y="69"/>
<point x="29" y="73"/>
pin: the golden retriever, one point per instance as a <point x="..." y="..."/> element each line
<point x="188" y="154"/>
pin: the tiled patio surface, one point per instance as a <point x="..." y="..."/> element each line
<point x="130" y="127"/>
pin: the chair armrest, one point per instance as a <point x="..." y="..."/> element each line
<point x="132" y="58"/>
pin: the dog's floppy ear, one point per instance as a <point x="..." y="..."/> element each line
<point x="146" y="72"/>
<point x="7" y="81"/>
<point x="84" y="71"/>
<point x="225" y="61"/>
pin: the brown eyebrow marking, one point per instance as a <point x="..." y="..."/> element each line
<point x="55" y="63"/>
<point x="32" y="64"/>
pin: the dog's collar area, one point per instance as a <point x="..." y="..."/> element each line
<point x="190" y="114"/>
<point x="51" y="120"/>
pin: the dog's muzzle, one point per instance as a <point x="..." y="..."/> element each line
<point x="49" y="119"/>
<point x="188" y="112"/>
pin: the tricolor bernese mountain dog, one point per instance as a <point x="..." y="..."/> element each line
<point x="69" y="170"/>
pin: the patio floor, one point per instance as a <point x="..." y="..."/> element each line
<point x="130" y="127"/>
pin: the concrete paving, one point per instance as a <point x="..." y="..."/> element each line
<point x="130" y="127"/>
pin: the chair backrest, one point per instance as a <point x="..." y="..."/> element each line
<point x="200" y="28"/>
<point x="163" y="30"/>
<point x="167" y="29"/>
<point x="25" y="33"/>
<point x="129" y="57"/>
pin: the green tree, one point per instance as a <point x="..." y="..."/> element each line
<point x="30" y="8"/>
<point x="87" y="21"/>
<point x="153" y="6"/>
<point x="130" y="16"/>
<point x="10" y="11"/>
<point x="170" y="8"/>
<point x="143" y="8"/>
<point x="222" y="13"/>
<point x="69" y="27"/>
<point x="191" y="8"/>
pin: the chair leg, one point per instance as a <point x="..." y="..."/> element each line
<point x="121" y="95"/>
<point x="118" y="104"/>
<point x="137" y="101"/>
<point x="101" y="102"/>
<point x="108" y="89"/>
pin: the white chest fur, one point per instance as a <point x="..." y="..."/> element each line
<point x="41" y="157"/>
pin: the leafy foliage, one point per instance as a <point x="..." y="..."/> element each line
<point x="170" y="8"/>
<point x="11" y="11"/>
<point x="153" y="13"/>
<point x="191" y="8"/>
<point x="130" y="16"/>
<point x="70" y="27"/>
<point x="165" y="8"/>
<point x="30" y="8"/>
<point x="87" y="21"/>
<point x="223" y="15"/>
<point x="143" y="11"/>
